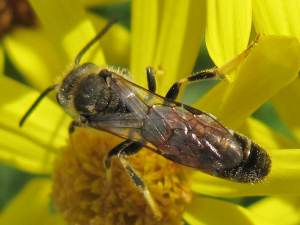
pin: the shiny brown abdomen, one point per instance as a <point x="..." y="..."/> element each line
<point x="197" y="141"/>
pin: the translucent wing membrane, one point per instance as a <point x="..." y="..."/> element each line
<point x="176" y="131"/>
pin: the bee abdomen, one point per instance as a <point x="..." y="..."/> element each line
<point x="254" y="168"/>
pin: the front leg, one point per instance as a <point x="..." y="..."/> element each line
<point x="73" y="125"/>
<point x="81" y="122"/>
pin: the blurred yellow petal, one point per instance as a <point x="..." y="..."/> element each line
<point x="70" y="30"/>
<point x="283" y="179"/>
<point x="272" y="64"/>
<point x="144" y="29"/>
<point x="277" y="209"/>
<point x="282" y="18"/>
<point x="31" y="147"/>
<point x="277" y="17"/>
<point x="178" y="44"/>
<point x="286" y="104"/>
<point x="228" y="28"/>
<point x="31" y="206"/>
<point x="1" y="60"/>
<point x="204" y="211"/>
<point x="34" y="56"/>
<point x="115" y="44"/>
<point x="265" y="136"/>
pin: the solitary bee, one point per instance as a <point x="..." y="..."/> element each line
<point x="104" y="100"/>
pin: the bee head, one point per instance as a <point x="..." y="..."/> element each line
<point x="84" y="91"/>
<point x="77" y="76"/>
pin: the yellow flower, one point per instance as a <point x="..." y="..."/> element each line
<point x="166" y="35"/>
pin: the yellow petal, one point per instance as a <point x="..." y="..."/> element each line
<point x="31" y="206"/>
<point x="265" y="136"/>
<point x="1" y="60"/>
<point x="286" y="104"/>
<point x="272" y="64"/>
<point x="34" y="56"/>
<point x="115" y="44"/>
<point x="179" y="39"/>
<point x="277" y="17"/>
<point x="144" y="29"/>
<point x="68" y="26"/>
<point x="210" y="211"/>
<point x="274" y="210"/>
<point x="228" y="28"/>
<point x="281" y="18"/>
<point x="282" y="181"/>
<point x="31" y="147"/>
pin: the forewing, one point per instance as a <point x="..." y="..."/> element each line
<point x="189" y="139"/>
<point x="137" y="101"/>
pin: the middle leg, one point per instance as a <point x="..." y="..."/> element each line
<point x="151" y="79"/>
<point x="121" y="151"/>
<point x="140" y="184"/>
<point x="128" y="147"/>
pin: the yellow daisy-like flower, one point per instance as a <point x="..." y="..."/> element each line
<point x="166" y="35"/>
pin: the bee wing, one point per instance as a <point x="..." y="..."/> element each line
<point x="138" y="101"/>
<point x="130" y="95"/>
<point x="125" y="125"/>
<point x="174" y="130"/>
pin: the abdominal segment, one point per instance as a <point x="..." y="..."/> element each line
<point x="197" y="141"/>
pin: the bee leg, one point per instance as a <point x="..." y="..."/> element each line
<point x="217" y="72"/>
<point x="128" y="146"/>
<point x="201" y="75"/>
<point x="122" y="150"/>
<point x="73" y="125"/>
<point x="140" y="184"/>
<point x="151" y="79"/>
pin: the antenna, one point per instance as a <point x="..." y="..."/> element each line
<point x="93" y="41"/>
<point x="36" y="103"/>
<point x="77" y="61"/>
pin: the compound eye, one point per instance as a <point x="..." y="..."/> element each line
<point x="61" y="99"/>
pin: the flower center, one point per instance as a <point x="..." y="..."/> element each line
<point x="84" y="195"/>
